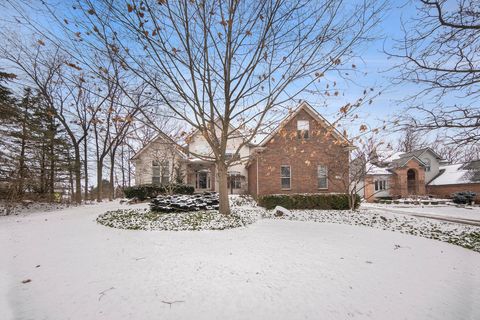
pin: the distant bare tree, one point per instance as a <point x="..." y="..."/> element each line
<point x="411" y="139"/>
<point x="440" y="52"/>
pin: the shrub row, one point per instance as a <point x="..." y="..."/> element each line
<point x="146" y="191"/>
<point x="308" y="201"/>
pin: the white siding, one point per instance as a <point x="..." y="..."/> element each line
<point x="199" y="145"/>
<point x="159" y="151"/>
<point x="434" y="166"/>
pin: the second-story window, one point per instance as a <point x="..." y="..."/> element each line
<point x="303" y="129"/>
<point x="427" y="164"/>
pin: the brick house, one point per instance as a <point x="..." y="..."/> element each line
<point x="399" y="175"/>
<point x="304" y="154"/>
<point x="456" y="177"/>
<point x="418" y="173"/>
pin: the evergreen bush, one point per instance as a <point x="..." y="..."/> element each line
<point x="147" y="191"/>
<point x="308" y="201"/>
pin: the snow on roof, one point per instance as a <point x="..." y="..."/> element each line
<point x="453" y="174"/>
<point x="389" y="157"/>
<point x="375" y="170"/>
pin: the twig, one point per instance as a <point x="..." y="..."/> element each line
<point x="101" y="294"/>
<point x="172" y="302"/>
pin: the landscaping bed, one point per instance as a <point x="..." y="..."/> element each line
<point x="144" y="219"/>
<point x="461" y="235"/>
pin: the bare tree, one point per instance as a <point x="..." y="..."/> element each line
<point x="411" y="139"/>
<point x="439" y="51"/>
<point x="219" y="65"/>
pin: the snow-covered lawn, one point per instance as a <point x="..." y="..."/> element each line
<point x="448" y="211"/>
<point x="272" y="269"/>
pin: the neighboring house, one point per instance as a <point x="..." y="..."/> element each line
<point x="418" y="173"/>
<point x="304" y="154"/>
<point x="456" y="177"/>
<point x="400" y="174"/>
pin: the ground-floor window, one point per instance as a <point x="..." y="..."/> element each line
<point x="160" y="172"/>
<point x="322" y="174"/>
<point x="202" y="179"/>
<point x="165" y="172"/>
<point x="155" y="172"/>
<point x="234" y="181"/>
<point x="380" y="185"/>
<point x="285" y="176"/>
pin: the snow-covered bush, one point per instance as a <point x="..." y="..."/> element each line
<point x="144" y="219"/>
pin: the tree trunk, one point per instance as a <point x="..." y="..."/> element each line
<point x="51" y="189"/>
<point x="43" y="182"/>
<point x="112" y="184"/>
<point x="78" y="175"/>
<point x="99" y="180"/>
<point x="23" y="143"/>
<point x="122" y="165"/>
<point x="223" y="188"/>
<point x="70" y="177"/>
<point x="129" y="169"/>
<point x="85" y="166"/>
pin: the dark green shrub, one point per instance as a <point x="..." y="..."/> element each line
<point x="465" y="197"/>
<point x="308" y="201"/>
<point x="146" y="191"/>
<point x="182" y="189"/>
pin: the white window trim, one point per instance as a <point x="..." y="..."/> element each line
<point x="380" y="183"/>
<point x="318" y="177"/>
<point x="289" y="177"/>
<point x="303" y="128"/>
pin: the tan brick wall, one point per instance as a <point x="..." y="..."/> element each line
<point x="400" y="185"/>
<point x="303" y="156"/>
<point x="397" y="183"/>
<point x="445" y="191"/>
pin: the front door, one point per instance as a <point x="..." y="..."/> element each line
<point x="411" y="182"/>
<point x="202" y="180"/>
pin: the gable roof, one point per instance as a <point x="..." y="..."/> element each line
<point x="418" y="153"/>
<point x="241" y="132"/>
<point x="312" y="112"/>
<point x="160" y="136"/>
<point x="460" y="173"/>
<point x="404" y="160"/>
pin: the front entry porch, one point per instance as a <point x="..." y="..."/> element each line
<point x="201" y="175"/>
